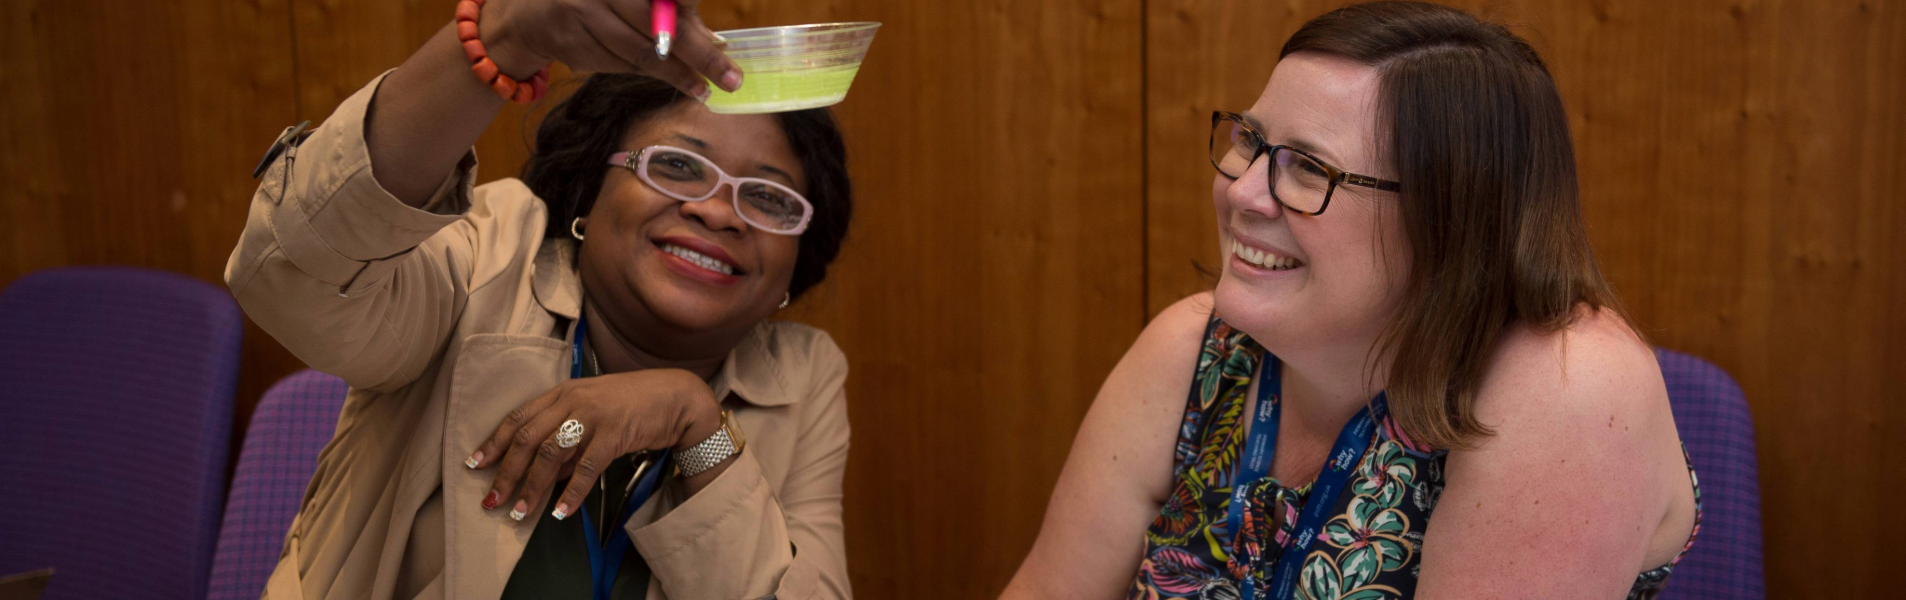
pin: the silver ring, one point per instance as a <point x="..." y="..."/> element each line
<point x="570" y="434"/>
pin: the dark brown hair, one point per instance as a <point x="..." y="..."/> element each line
<point x="573" y="145"/>
<point x="1474" y="126"/>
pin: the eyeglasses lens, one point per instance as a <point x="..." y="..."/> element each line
<point x="690" y="177"/>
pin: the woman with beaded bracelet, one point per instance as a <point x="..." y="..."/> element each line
<point x="563" y="385"/>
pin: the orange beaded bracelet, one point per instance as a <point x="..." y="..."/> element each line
<point x="486" y="70"/>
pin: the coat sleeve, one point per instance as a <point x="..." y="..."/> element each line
<point x="353" y="281"/>
<point x="735" y="539"/>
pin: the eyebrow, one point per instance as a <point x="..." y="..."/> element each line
<point x="692" y="141"/>
<point x="774" y="171"/>
<point x="1298" y="143"/>
<point x="771" y="170"/>
<point x="1318" y="151"/>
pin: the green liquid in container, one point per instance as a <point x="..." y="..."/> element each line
<point x="782" y="90"/>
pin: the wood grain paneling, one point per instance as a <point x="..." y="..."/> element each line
<point x="1742" y="165"/>
<point x="130" y="131"/>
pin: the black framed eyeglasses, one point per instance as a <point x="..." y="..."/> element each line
<point x="1299" y="180"/>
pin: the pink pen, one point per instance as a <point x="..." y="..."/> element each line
<point x="662" y="20"/>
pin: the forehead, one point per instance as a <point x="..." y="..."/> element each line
<point x="1322" y="103"/>
<point x="742" y="145"/>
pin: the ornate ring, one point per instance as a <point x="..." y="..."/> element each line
<point x="570" y="434"/>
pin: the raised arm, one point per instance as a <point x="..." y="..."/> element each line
<point x="432" y="109"/>
<point x="1120" y="469"/>
<point x="362" y="243"/>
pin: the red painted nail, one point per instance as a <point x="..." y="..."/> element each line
<point x="490" y="501"/>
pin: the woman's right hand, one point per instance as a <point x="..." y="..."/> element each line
<point x="610" y="36"/>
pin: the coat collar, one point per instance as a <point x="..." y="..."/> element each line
<point x="752" y="371"/>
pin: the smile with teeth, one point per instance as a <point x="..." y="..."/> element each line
<point x="698" y="259"/>
<point x="1264" y="259"/>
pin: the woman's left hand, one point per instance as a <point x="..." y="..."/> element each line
<point x="620" y="413"/>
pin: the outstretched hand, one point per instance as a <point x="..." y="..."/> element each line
<point x="610" y="36"/>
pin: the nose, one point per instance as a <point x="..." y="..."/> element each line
<point x="1251" y="192"/>
<point x="718" y="211"/>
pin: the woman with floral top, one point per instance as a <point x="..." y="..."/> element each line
<point x="1411" y="380"/>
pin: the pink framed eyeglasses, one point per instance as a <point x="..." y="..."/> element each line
<point x="690" y="177"/>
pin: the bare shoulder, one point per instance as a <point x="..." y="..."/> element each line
<point x="1597" y="364"/>
<point x="1173" y="337"/>
<point x="1580" y="484"/>
<point x="1145" y="392"/>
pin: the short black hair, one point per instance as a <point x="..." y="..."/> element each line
<point x="570" y="160"/>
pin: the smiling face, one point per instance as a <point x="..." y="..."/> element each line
<point x="692" y="266"/>
<point x="1296" y="281"/>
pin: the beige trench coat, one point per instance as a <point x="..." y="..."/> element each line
<point x="443" y="320"/>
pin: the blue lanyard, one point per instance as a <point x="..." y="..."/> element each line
<point x="1260" y="448"/>
<point x="606" y="561"/>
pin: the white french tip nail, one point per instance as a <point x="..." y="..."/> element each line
<point x="517" y="514"/>
<point x="470" y="462"/>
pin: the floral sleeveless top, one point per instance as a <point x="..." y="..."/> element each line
<point x="1369" y="550"/>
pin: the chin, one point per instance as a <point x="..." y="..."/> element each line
<point x="690" y="313"/>
<point x="1256" y="312"/>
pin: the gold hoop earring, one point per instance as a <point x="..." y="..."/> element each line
<point x="785" y="297"/>
<point x="573" y="228"/>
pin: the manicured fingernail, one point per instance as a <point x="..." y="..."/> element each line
<point x="731" y="80"/>
<point x="490" y="501"/>
<point x="562" y="510"/>
<point x="700" y="91"/>
<point x="521" y="510"/>
<point x="474" y="460"/>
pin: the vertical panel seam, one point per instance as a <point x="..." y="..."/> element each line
<point x="1144" y="163"/>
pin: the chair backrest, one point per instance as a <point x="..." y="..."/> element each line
<point x="1712" y="416"/>
<point x="294" y="421"/>
<point x="117" y="388"/>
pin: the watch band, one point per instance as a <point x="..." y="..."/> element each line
<point x="703" y="456"/>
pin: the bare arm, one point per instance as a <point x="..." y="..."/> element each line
<point x="1585" y="466"/>
<point x="432" y="109"/>
<point x="1119" y="471"/>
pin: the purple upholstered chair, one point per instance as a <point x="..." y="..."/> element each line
<point x="294" y="421"/>
<point x="116" y="385"/>
<point x="1711" y="413"/>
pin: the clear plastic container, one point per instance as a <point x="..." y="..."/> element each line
<point x="792" y="68"/>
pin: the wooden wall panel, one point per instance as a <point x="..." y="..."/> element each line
<point x="1742" y="169"/>
<point x="129" y="132"/>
